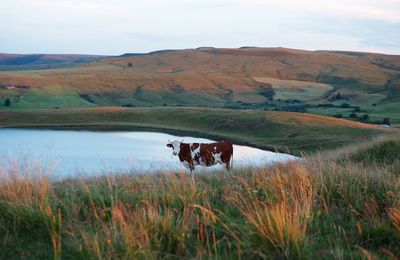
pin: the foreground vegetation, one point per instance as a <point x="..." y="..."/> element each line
<point x="283" y="131"/>
<point x="329" y="206"/>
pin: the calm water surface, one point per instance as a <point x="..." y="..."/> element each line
<point x="69" y="153"/>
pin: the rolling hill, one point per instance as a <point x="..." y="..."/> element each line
<point x="9" y="62"/>
<point x="341" y="84"/>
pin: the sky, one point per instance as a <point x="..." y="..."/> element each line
<point x="113" y="27"/>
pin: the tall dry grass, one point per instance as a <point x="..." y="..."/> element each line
<point x="304" y="209"/>
<point x="27" y="195"/>
<point x="278" y="204"/>
<point x="394" y="214"/>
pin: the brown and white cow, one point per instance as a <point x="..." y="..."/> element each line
<point x="192" y="154"/>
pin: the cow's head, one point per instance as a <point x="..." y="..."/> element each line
<point x="175" y="145"/>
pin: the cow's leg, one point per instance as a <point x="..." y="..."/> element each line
<point x="228" y="166"/>
<point x="191" y="167"/>
<point x="227" y="162"/>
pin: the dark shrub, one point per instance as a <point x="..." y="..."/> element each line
<point x="326" y="105"/>
<point x="386" y="121"/>
<point x="267" y="91"/>
<point x="177" y="89"/>
<point x="353" y="115"/>
<point x="364" y="117"/>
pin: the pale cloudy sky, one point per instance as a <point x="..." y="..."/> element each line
<point x="121" y="26"/>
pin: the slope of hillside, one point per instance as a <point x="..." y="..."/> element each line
<point x="9" y="62"/>
<point x="321" y="82"/>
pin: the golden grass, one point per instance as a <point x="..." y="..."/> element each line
<point x="202" y="70"/>
<point x="150" y="225"/>
<point x="107" y="109"/>
<point x="394" y="214"/>
<point x="294" y="84"/>
<point x="33" y="194"/>
<point x="312" y="120"/>
<point x="281" y="219"/>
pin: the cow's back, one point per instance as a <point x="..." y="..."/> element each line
<point x="213" y="153"/>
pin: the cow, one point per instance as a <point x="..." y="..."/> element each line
<point x="192" y="154"/>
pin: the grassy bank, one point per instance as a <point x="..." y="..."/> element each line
<point x="283" y="131"/>
<point x="346" y="207"/>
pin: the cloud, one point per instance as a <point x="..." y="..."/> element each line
<point x="384" y="10"/>
<point x="118" y="26"/>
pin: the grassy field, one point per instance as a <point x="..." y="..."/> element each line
<point x="283" y="131"/>
<point x="345" y="207"/>
<point x="296" y="89"/>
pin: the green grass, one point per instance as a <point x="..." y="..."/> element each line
<point x="65" y="98"/>
<point x="301" y="210"/>
<point x="56" y="96"/>
<point x="386" y="152"/>
<point x="260" y="129"/>
<point x="305" y="94"/>
<point x="376" y="113"/>
<point x="391" y="110"/>
<point x="52" y="97"/>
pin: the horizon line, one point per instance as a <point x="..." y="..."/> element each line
<point x="200" y="48"/>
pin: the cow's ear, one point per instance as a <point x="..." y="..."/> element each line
<point x="169" y="145"/>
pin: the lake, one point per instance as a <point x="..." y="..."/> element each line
<point x="69" y="153"/>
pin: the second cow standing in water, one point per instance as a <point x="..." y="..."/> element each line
<point x="192" y="154"/>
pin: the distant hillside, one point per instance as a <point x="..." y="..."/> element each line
<point x="360" y="86"/>
<point x="9" y="62"/>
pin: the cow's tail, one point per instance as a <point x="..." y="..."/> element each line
<point x="232" y="160"/>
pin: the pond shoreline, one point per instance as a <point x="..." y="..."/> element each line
<point x="286" y="132"/>
<point x="82" y="151"/>
<point x="127" y="128"/>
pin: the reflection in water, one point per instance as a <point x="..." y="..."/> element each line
<point x="85" y="152"/>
